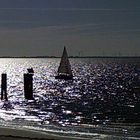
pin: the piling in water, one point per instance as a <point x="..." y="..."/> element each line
<point x="4" y="87"/>
<point x="28" y="86"/>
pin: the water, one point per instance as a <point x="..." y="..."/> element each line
<point x="103" y="98"/>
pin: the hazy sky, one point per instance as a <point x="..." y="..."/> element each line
<point x="92" y="27"/>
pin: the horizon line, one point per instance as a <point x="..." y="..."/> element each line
<point x="106" y="56"/>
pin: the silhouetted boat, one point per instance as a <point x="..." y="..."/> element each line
<point x="64" y="70"/>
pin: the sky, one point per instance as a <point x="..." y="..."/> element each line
<point x="85" y="27"/>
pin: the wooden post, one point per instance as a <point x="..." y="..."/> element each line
<point x="28" y="86"/>
<point x="4" y="87"/>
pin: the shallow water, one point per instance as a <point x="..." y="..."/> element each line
<point x="103" y="91"/>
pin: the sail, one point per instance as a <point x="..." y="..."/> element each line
<point x="65" y="67"/>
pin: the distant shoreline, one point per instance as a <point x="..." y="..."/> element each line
<point x="71" y="57"/>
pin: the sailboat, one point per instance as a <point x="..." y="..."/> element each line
<point x="64" y="70"/>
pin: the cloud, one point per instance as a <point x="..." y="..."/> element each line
<point x="89" y="38"/>
<point x="37" y="17"/>
<point x="65" y="9"/>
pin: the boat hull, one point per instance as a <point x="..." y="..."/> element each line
<point x="64" y="77"/>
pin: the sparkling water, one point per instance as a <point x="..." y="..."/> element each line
<point x="104" y="93"/>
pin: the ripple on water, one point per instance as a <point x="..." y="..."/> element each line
<point x="101" y="90"/>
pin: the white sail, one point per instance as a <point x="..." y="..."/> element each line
<point x="65" y="67"/>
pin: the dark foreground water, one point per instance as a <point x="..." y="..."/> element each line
<point x="103" y="98"/>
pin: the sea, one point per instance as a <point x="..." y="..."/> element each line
<point x="101" y="102"/>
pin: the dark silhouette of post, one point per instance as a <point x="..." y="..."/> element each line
<point x="28" y="86"/>
<point x="4" y="87"/>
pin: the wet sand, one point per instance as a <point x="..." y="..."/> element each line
<point x="26" y="134"/>
<point x="21" y="134"/>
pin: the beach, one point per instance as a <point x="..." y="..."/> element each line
<point x="22" y="134"/>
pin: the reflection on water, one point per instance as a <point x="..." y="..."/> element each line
<point x="103" y="92"/>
